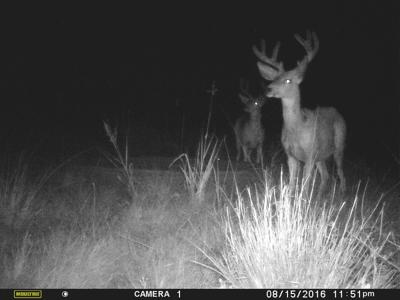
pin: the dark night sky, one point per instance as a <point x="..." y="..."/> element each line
<point x="64" y="69"/>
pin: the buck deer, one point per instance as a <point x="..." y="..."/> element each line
<point x="308" y="136"/>
<point x="248" y="129"/>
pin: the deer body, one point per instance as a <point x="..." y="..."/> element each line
<point x="308" y="136"/>
<point x="313" y="136"/>
<point x="249" y="133"/>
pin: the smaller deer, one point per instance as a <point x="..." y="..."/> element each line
<point x="308" y="136"/>
<point x="248" y="129"/>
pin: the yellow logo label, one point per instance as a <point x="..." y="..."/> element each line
<point x="27" y="294"/>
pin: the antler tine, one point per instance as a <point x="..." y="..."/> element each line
<point x="276" y="51"/>
<point x="271" y="61"/>
<point x="260" y="53"/>
<point x="310" y="44"/>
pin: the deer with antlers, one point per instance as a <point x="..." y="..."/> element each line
<point x="248" y="129"/>
<point x="308" y="136"/>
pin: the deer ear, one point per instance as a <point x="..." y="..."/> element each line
<point x="267" y="72"/>
<point x="243" y="98"/>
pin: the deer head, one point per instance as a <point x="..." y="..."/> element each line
<point x="251" y="103"/>
<point x="285" y="84"/>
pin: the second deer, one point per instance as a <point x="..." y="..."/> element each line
<point x="308" y="136"/>
<point x="249" y="132"/>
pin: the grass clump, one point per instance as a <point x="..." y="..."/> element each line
<point x="275" y="241"/>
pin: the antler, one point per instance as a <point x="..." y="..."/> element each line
<point x="310" y="44"/>
<point x="244" y="87"/>
<point x="244" y="94"/>
<point x="269" y="67"/>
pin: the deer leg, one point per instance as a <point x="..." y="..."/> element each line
<point x="340" y="136"/>
<point x="293" y="168"/>
<point x="249" y="152"/>
<point x="323" y="171"/>
<point x="245" y="153"/>
<point x="259" y="154"/>
<point x="238" y="149"/>
<point x="307" y="172"/>
<point x="338" y="156"/>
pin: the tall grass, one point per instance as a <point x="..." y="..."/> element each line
<point x="18" y="193"/>
<point x="274" y="241"/>
<point x="121" y="160"/>
<point x="197" y="172"/>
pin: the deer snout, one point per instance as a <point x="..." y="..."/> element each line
<point x="269" y="92"/>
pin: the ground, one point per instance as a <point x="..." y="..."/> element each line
<point x="82" y="227"/>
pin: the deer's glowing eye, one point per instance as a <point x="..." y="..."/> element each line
<point x="287" y="81"/>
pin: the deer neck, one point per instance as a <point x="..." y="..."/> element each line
<point x="255" y="116"/>
<point x="291" y="110"/>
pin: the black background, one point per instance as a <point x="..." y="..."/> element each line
<point x="64" y="69"/>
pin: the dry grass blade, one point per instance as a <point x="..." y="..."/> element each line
<point x="198" y="172"/>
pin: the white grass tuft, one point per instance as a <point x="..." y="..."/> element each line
<point x="275" y="241"/>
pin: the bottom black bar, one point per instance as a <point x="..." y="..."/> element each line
<point x="192" y="293"/>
